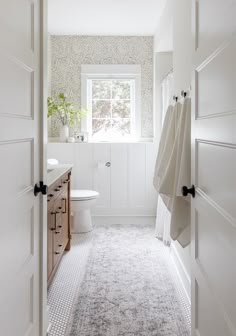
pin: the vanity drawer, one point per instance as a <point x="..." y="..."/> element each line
<point x="54" y="191"/>
<point x="57" y="247"/>
<point x="65" y="182"/>
<point x="58" y="232"/>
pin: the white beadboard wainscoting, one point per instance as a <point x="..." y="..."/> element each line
<point x="126" y="191"/>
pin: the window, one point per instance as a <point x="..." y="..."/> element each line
<point x="112" y="97"/>
<point x="112" y="106"/>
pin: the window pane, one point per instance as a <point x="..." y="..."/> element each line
<point x="101" y="89"/>
<point x="121" y="109"/>
<point x="111" y="108"/>
<point x="121" y="127"/>
<point x="101" y="109"/>
<point x="121" y="89"/>
<point x="101" y="127"/>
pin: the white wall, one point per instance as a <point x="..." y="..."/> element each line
<point x="163" y="64"/>
<point x="172" y="44"/>
<point x="163" y="39"/>
<point x="182" y="45"/>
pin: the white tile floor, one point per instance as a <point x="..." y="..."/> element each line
<point x="185" y="304"/>
<point x="62" y="292"/>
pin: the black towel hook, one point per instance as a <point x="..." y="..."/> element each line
<point x="183" y="93"/>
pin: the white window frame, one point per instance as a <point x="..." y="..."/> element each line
<point x="114" y="71"/>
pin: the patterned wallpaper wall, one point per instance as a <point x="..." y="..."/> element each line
<point x="69" y="52"/>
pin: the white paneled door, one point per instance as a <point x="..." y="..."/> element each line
<point x="19" y="167"/>
<point x="214" y="169"/>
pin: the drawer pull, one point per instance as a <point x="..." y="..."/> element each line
<point x="57" y="252"/>
<point x="59" y="208"/>
<point x="59" y="186"/>
<point x="57" y="189"/>
<point x="57" y="232"/>
<point x="60" y="245"/>
<point x="59" y="226"/>
<point x="53" y="229"/>
<point x="65" y="211"/>
<point x="66" y="181"/>
<point x="50" y="195"/>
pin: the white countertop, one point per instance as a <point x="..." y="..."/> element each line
<point x="56" y="171"/>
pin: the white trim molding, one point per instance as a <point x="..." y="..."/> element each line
<point x="182" y="272"/>
<point x="117" y="69"/>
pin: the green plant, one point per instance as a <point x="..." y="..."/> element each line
<point x="67" y="113"/>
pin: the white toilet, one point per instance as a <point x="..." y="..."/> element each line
<point x="81" y="203"/>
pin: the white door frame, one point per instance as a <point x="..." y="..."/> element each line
<point x="43" y="163"/>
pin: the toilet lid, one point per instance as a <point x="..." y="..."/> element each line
<point x="83" y="194"/>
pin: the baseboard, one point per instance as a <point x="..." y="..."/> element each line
<point x="48" y="322"/>
<point x="49" y="329"/>
<point x="124" y="212"/>
<point x="182" y="272"/>
<point x="115" y="220"/>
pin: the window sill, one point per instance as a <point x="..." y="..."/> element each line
<point x="142" y="140"/>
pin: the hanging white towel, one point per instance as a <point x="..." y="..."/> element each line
<point x="162" y="230"/>
<point x="166" y="143"/>
<point x="185" y="237"/>
<point x="177" y="174"/>
<point x="162" y="144"/>
<point x="166" y="150"/>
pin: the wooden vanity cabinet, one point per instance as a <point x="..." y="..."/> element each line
<point x="51" y="225"/>
<point x="58" y="229"/>
<point x="65" y="213"/>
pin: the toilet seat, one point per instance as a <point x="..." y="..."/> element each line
<point x="83" y="195"/>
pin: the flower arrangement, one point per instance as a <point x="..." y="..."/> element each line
<point x="66" y="111"/>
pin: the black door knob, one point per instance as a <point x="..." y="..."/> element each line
<point x="43" y="188"/>
<point x="186" y="191"/>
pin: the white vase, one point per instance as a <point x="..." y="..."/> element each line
<point x="64" y="133"/>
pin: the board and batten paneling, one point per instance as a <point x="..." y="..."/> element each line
<point x="63" y="152"/>
<point x="125" y="187"/>
<point x="137" y="175"/>
<point x="119" y="175"/>
<point x="102" y="174"/>
<point x="82" y="177"/>
<point x="151" y="194"/>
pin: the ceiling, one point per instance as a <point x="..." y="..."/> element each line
<point x="104" y="17"/>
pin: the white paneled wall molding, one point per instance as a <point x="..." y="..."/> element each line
<point x="121" y="173"/>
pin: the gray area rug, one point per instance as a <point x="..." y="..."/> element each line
<point x="127" y="288"/>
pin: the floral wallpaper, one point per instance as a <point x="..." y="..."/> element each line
<point x="69" y="52"/>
